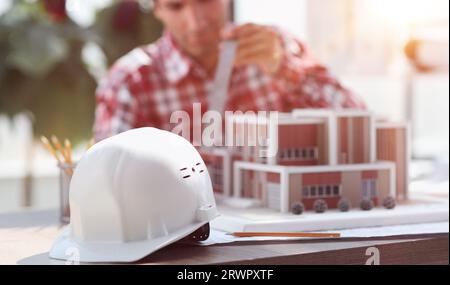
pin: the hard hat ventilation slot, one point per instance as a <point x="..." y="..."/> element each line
<point x="193" y="169"/>
<point x="201" y="170"/>
<point x="185" y="176"/>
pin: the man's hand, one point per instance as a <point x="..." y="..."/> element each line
<point x="258" y="45"/>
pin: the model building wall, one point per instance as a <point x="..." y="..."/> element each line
<point x="300" y="144"/>
<point x="214" y="163"/>
<point x="392" y="145"/>
<point x="330" y="186"/>
<point x="353" y="140"/>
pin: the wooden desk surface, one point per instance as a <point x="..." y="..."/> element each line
<point x="26" y="237"/>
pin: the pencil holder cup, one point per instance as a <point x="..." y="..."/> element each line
<point x="65" y="176"/>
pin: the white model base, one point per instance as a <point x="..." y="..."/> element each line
<point x="421" y="208"/>
<point x="241" y="203"/>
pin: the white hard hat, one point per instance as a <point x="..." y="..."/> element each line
<point x="134" y="193"/>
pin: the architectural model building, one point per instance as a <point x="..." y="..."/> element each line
<point x="323" y="159"/>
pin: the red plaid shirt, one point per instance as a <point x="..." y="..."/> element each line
<point x="145" y="86"/>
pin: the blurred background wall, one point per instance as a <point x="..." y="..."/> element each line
<point x="52" y="53"/>
<point x="394" y="53"/>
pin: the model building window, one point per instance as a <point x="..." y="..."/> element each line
<point x="215" y="172"/>
<point x="310" y="154"/>
<point x="287" y="154"/>
<point x="312" y="191"/>
<point x="369" y="189"/>
<point x="303" y="153"/>
<point x="336" y="190"/>
<point x="298" y="154"/>
<point x="306" y="191"/>
<point x="281" y="154"/>
<point x="328" y="190"/>
<point x="321" y="191"/>
<point x="290" y="153"/>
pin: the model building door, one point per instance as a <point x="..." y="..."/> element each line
<point x="369" y="189"/>
<point x="273" y="196"/>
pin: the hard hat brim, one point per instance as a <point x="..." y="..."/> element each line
<point x="68" y="248"/>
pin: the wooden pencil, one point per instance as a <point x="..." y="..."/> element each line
<point x="50" y="148"/>
<point x="68" y="148"/>
<point x="52" y="151"/>
<point x="286" y="234"/>
<point x="60" y="148"/>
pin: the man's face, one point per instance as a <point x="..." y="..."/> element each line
<point x="195" y="24"/>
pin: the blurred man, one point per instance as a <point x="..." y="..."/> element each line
<point x="272" y="71"/>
